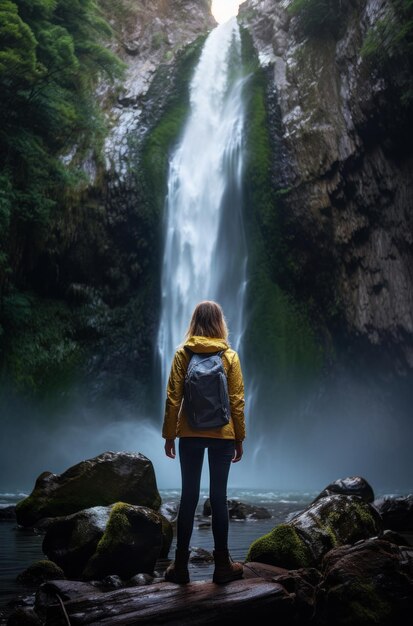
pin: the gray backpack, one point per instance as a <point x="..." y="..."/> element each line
<point x="206" y="398"/>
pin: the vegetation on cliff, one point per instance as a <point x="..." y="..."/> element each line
<point x="51" y="60"/>
<point x="387" y="47"/>
<point x="279" y="324"/>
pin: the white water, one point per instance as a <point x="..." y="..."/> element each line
<point x="205" y="252"/>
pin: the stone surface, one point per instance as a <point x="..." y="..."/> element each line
<point x="102" y="480"/>
<point x="368" y="583"/>
<point x="326" y="523"/>
<point x="71" y="540"/>
<point x="396" y="512"/>
<point x="349" y="183"/>
<point x="240" y="510"/>
<point x="131" y="544"/>
<point x="350" y="486"/>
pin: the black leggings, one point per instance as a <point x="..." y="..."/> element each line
<point x="191" y="456"/>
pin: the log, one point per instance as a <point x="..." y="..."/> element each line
<point x="198" y="603"/>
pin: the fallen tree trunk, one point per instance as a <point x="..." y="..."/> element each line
<point x="197" y="603"/>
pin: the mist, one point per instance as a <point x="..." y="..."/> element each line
<point x="345" y="428"/>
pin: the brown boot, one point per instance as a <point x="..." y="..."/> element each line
<point x="225" y="568"/>
<point x="177" y="571"/>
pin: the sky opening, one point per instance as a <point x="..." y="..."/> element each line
<point x="223" y="10"/>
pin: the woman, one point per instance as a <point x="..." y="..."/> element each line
<point x="207" y="333"/>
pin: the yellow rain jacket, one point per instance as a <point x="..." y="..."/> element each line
<point x="175" y="420"/>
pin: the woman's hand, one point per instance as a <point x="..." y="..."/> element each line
<point x="238" y="452"/>
<point x="170" y="448"/>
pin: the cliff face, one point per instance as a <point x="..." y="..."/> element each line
<point x="148" y="35"/>
<point x="95" y="276"/>
<point x="345" y="174"/>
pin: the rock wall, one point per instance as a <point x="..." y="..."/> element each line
<point x="101" y="259"/>
<point x="345" y="176"/>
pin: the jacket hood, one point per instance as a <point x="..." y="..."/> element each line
<point x="196" y="343"/>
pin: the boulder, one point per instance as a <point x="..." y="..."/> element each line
<point x="131" y="543"/>
<point x="368" y="583"/>
<point x="8" y="512"/>
<point x="240" y="510"/>
<point x="396" y="512"/>
<point x="100" y="481"/>
<point x="325" y="524"/>
<point x="24" y="616"/>
<point x="302" y="583"/>
<point x="40" y="571"/>
<point x="71" y="540"/>
<point x="350" y="486"/>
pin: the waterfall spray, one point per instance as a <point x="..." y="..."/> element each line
<point x="205" y="251"/>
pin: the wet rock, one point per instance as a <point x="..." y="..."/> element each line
<point x="39" y="572"/>
<point x="329" y="522"/>
<point x="240" y="510"/>
<point x="368" y="583"/>
<point x="24" y="616"/>
<point x="131" y="543"/>
<point x="73" y="540"/>
<point x="200" y="555"/>
<point x="140" y="579"/>
<point x="102" y="480"/>
<point x="396" y="512"/>
<point x="8" y="512"/>
<point x="70" y="541"/>
<point x="394" y="537"/>
<point x="350" y="486"/>
<point x="112" y="582"/>
<point x="345" y="173"/>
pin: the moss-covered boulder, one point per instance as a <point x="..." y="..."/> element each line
<point x="282" y="546"/>
<point x="71" y="540"/>
<point x="99" y="481"/>
<point x="131" y="543"/>
<point x="40" y="571"/>
<point x="325" y="524"/>
<point x="368" y="583"/>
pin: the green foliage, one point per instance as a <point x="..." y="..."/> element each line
<point x="279" y="330"/>
<point x="51" y="59"/>
<point x="320" y="18"/>
<point x="388" y="48"/>
<point x="38" y="346"/>
<point x="163" y="137"/>
<point x="282" y="547"/>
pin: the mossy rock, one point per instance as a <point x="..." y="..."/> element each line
<point x="99" y="481"/>
<point x="71" y="540"/>
<point x="131" y="544"/>
<point x="40" y="571"/>
<point x="325" y="524"/>
<point x="282" y="546"/>
<point x="367" y="583"/>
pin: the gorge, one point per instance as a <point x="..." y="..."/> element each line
<point x="308" y="159"/>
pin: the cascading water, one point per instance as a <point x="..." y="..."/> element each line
<point x="205" y="251"/>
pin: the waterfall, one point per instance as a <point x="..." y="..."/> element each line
<point x="205" y="251"/>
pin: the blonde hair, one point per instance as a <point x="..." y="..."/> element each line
<point x="207" y="320"/>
